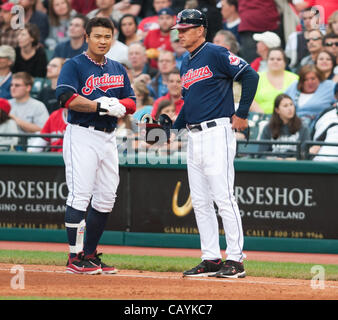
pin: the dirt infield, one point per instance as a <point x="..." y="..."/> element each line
<point x="52" y="281"/>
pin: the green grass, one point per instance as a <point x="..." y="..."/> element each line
<point x="170" y="264"/>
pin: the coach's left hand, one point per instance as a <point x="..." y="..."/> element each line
<point x="238" y="123"/>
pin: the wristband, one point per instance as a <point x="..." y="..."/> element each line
<point x="75" y="95"/>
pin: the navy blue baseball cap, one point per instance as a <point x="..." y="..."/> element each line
<point x="167" y="11"/>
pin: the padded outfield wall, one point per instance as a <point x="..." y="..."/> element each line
<point x="287" y="206"/>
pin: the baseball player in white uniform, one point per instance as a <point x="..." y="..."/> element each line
<point x="208" y="113"/>
<point x="97" y="92"/>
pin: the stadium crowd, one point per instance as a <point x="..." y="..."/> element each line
<point x="292" y="44"/>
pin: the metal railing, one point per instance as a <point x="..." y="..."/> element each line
<point x="245" y="148"/>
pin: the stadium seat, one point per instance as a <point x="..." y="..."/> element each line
<point x="38" y="84"/>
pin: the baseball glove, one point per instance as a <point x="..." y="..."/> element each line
<point x="155" y="131"/>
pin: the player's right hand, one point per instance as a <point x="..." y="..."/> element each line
<point x="238" y="123"/>
<point x="111" y="107"/>
<point x="114" y="110"/>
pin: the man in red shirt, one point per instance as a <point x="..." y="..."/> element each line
<point x="174" y="93"/>
<point x="151" y="22"/>
<point x="257" y="16"/>
<point x="159" y="39"/>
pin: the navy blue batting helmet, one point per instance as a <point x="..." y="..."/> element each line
<point x="189" y="18"/>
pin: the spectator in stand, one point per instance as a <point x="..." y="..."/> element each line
<point x="106" y="10"/>
<point x="332" y="26"/>
<point x="166" y="63"/>
<point x="231" y="19"/>
<point x="330" y="43"/>
<point x="60" y="13"/>
<point x="127" y="32"/>
<point x="284" y="126"/>
<point x="29" y="114"/>
<point x="159" y="39"/>
<point x="226" y="39"/>
<point x="296" y="45"/>
<point x="214" y="17"/>
<point x="55" y="124"/>
<point x="326" y="63"/>
<point x="311" y="94"/>
<point x="7" y="125"/>
<point x="7" y="58"/>
<point x="8" y="35"/>
<point x="118" y="50"/>
<point x="33" y="16"/>
<point x="314" y="45"/>
<point x="265" y="41"/>
<point x="166" y="107"/>
<point x="84" y="6"/>
<point x="76" y="43"/>
<point x="30" y="55"/>
<point x="327" y="7"/>
<point x="174" y="93"/>
<point x="47" y="94"/>
<point x="257" y="16"/>
<point x="179" y="51"/>
<point x="150" y="22"/>
<point x="139" y="62"/>
<point x="272" y="82"/>
<point x="144" y="102"/>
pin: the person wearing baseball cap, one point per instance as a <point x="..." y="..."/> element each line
<point x="159" y="39"/>
<point x="7" y="125"/>
<point x="150" y="20"/>
<point x="265" y="41"/>
<point x="7" y="58"/>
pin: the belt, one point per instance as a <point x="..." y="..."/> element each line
<point x="107" y="130"/>
<point x="198" y="127"/>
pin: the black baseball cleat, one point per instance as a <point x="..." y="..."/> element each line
<point x="231" y="269"/>
<point x="204" y="269"/>
<point x="95" y="260"/>
<point x="80" y="265"/>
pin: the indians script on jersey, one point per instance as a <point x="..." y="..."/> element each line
<point x="194" y="75"/>
<point x="103" y="83"/>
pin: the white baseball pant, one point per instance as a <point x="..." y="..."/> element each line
<point x="92" y="168"/>
<point x="210" y="163"/>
